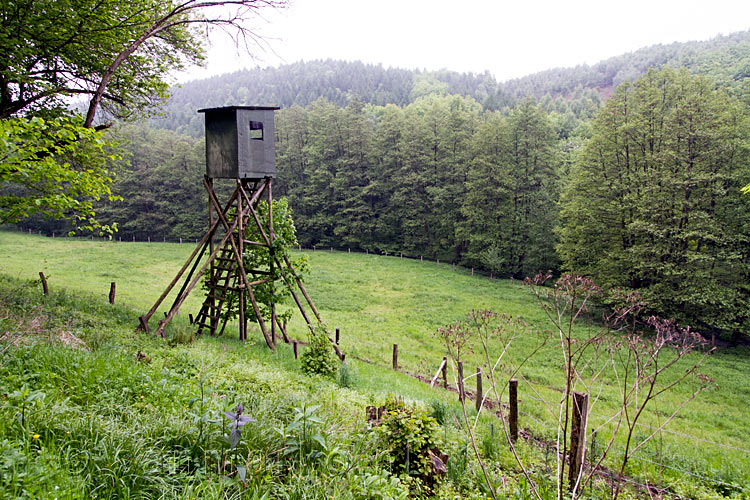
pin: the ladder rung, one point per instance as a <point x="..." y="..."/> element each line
<point x="255" y="271"/>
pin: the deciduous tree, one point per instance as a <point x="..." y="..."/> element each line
<point x="653" y="201"/>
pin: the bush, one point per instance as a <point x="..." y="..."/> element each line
<point x="410" y="437"/>
<point x="319" y="358"/>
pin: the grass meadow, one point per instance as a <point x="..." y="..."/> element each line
<point x="98" y="396"/>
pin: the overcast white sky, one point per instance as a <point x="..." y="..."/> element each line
<point x="509" y="39"/>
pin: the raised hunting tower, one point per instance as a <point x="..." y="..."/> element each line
<point x="240" y="145"/>
<point x="240" y="142"/>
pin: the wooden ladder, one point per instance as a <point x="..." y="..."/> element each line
<point x="210" y="312"/>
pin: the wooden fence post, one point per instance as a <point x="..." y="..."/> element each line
<point x="577" y="434"/>
<point x="461" y="393"/>
<point x="480" y="395"/>
<point x="296" y="349"/>
<point x="337" y="336"/>
<point x="112" y="287"/>
<point x="395" y="357"/>
<point x="445" y="372"/>
<point x="44" y="283"/>
<point x="513" y="413"/>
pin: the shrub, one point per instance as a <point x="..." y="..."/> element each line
<point x="410" y="436"/>
<point x="319" y="358"/>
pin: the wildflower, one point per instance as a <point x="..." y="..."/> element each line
<point x="35" y="436"/>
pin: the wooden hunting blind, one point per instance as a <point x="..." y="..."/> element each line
<point x="240" y="145"/>
<point x="240" y="142"/>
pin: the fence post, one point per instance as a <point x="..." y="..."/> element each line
<point x="112" y="287"/>
<point x="44" y="283"/>
<point x="445" y="372"/>
<point x="577" y="434"/>
<point x="513" y="404"/>
<point x="337" y="336"/>
<point x="461" y="394"/>
<point x="296" y="349"/>
<point x="395" y="357"/>
<point x="480" y="395"/>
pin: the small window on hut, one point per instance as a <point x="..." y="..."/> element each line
<point x="256" y="131"/>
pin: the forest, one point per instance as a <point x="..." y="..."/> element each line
<point x="628" y="171"/>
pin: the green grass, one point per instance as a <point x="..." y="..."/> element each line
<point x="376" y="301"/>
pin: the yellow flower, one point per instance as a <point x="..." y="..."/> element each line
<point x="35" y="436"/>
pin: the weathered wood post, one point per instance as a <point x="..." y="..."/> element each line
<point x="44" y="283"/>
<point x="337" y="336"/>
<point x="112" y="287"/>
<point x="577" y="434"/>
<point x="296" y="349"/>
<point x="395" y="357"/>
<point x="445" y="372"/>
<point x="461" y="393"/>
<point x="480" y="395"/>
<point x="513" y="404"/>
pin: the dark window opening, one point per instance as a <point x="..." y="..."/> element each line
<point x="256" y="131"/>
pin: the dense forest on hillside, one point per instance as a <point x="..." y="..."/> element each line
<point x="563" y="182"/>
<point x="726" y="59"/>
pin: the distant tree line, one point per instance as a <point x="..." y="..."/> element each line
<point x="641" y="192"/>
<point x="725" y="59"/>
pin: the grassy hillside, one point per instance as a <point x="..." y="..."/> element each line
<point x="101" y="408"/>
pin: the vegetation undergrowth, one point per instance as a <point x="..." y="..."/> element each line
<point x="93" y="409"/>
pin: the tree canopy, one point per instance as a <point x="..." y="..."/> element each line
<point x="114" y="57"/>
<point x="653" y="202"/>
